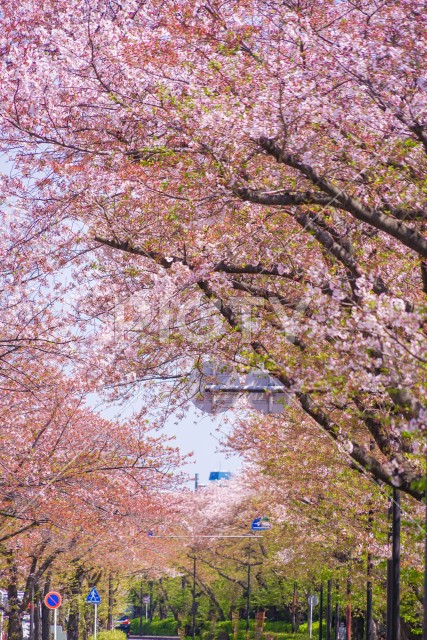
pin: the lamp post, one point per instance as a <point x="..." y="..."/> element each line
<point x="215" y="388"/>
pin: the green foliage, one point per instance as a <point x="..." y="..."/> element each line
<point x="166" y="627"/>
<point x="277" y="626"/>
<point x="288" y="635"/>
<point x="115" y="634"/>
<point x="411" y="605"/>
<point x="242" y="635"/>
<point x="303" y="629"/>
<point x="276" y="630"/>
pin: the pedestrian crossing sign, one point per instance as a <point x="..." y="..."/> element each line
<point x="93" y="597"/>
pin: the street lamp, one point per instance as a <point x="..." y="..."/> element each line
<point x="214" y="389"/>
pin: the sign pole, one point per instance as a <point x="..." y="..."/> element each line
<point x="94" y="598"/>
<point x="53" y="600"/>
<point x="310" y="617"/>
<point x="146" y="610"/>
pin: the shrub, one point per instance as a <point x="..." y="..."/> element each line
<point x="115" y="634"/>
<point x="166" y="627"/>
<point x="277" y="626"/>
<point x="304" y="628"/>
<point x="285" y="635"/>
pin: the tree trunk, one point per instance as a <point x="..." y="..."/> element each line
<point x="110" y="602"/>
<point x="150" y="612"/>
<point x="348" y="611"/>
<point x="162" y="608"/>
<point x="74" y="615"/>
<point x="294" y="609"/>
<point x="46" y="613"/>
<point x="37" y="616"/>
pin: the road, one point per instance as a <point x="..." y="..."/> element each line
<point x="154" y="637"/>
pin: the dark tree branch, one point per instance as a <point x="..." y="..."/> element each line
<point x="404" y="479"/>
<point x="424" y="275"/>
<point x="407" y="236"/>
<point x="8" y="536"/>
<point x="220" y="267"/>
<point x="282" y="198"/>
<point x="224" y="575"/>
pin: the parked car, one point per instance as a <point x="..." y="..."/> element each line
<point x="123" y="624"/>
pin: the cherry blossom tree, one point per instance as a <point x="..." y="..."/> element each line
<point x="224" y="155"/>
<point x="76" y="488"/>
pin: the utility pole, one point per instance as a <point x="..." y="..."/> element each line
<point x="194" y="599"/>
<point x="248" y="598"/>
<point x="369" y="569"/>
<point x="395" y="594"/>
<point x="389" y="578"/>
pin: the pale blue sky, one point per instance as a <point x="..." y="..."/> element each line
<point x="201" y="433"/>
<point x="196" y="432"/>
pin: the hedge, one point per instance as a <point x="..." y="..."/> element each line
<point x="166" y="627"/>
<point x="276" y="630"/>
<point x="115" y="634"/>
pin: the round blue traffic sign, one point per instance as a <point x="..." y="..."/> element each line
<point x="53" y="600"/>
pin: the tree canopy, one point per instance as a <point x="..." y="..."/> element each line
<point x="240" y="181"/>
<point x="227" y="155"/>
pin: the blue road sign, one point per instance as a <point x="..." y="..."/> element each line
<point x="261" y="524"/>
<point x="93" y="597"/>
